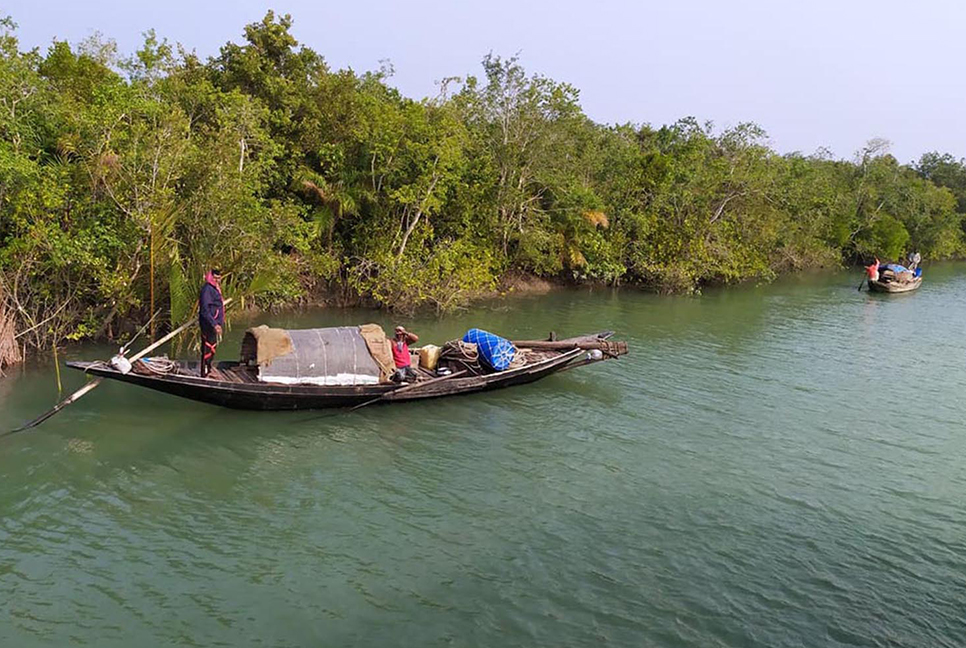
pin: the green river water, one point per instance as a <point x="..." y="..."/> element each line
<point x="782" y="465"/>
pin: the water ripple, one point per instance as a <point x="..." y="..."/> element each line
<point x="771" y="466"/>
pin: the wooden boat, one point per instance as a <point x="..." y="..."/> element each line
<point x="895" y="278"/>
<point x="894" y="286"/>
<point x="237" y="385"/>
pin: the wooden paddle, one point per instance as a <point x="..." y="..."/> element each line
<point x="406" y="388"/>
<point x="73" y="398"/>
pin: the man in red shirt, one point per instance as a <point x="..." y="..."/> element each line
<point x="400" y="355"/>
<point x="873" y="271"/>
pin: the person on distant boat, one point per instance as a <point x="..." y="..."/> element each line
<point x="211" y="318"/>
<point x="873" y="271"/>
<point x="400" y="355"/>
<point x="914" y="259"/>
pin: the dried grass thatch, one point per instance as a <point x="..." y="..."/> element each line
<point x="9" y="351"/>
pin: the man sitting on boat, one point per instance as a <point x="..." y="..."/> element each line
<point x="400" y="355"/>
<point x="211" y="318"/>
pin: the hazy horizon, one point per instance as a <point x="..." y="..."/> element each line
<point x="822" y="76"/>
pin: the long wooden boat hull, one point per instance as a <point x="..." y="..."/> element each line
<point x="894" y="286"/>
<point x="270" y="396"/>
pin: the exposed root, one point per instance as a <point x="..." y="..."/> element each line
<point x="9" y="351"/>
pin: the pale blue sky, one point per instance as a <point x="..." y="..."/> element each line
<point x="812" y="73"/>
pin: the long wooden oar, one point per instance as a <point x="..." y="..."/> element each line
<point x="59" y="406"/>
<point x="73" y="398"/>
<point x="406" y="388"/>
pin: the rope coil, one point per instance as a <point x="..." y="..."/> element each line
<point x="464" y="354"/>
<point x="160" y="366"/>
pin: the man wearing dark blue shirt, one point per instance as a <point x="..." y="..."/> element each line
<point x="211" y="318"/>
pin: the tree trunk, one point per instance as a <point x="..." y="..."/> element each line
<point x="407" y="233"/>
<point x="419" y="212"/>
<point x="9" y="351"/>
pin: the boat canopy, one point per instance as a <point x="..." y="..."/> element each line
<point x="342" y="355"/>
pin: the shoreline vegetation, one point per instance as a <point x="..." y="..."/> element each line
<point x="122" y="179"/>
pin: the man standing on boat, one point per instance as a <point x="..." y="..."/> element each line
<point x="211" y="318"/>
<point x="873" y="271"/>
<point x="400" y="355"/>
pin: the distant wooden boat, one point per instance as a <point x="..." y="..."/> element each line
<point x="237" y="385"/>
<point x="895" y="286"/>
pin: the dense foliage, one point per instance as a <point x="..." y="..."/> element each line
<point x="121" y="180"/>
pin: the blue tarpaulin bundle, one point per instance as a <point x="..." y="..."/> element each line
<point x="495" y="351"/>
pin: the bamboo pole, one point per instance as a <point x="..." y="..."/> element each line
<point x="151" y="226"/>
<point x="60" y="385"/>
<point x="73" y="398"/>
<point x="565" y="345"/>
<point x="406" y="388"/>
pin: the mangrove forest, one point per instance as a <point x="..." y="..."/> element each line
<point x="124" y="177"/>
